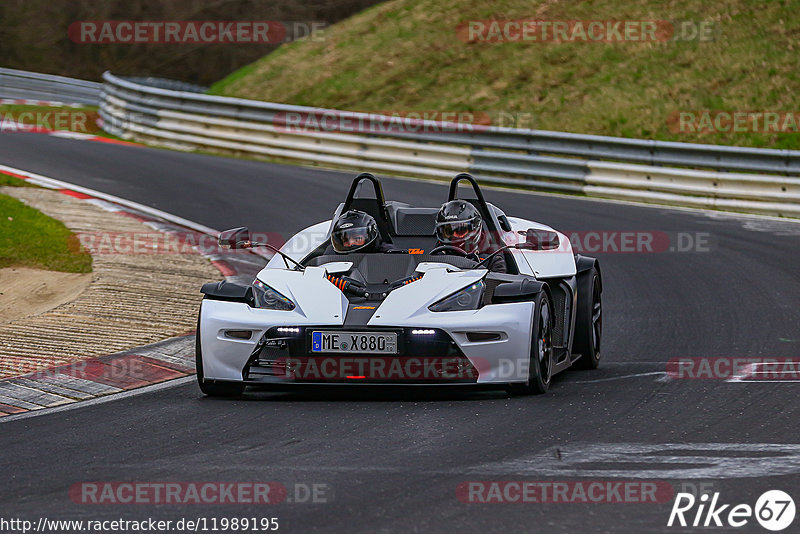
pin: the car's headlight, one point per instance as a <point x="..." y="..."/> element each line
<point x="469" y="298"/>
<point x="267" y="298"/>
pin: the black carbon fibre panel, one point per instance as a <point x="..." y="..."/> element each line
<point x="375" y="268"/>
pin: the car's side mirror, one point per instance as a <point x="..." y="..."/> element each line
<point x="540" y="240"/>
<point x="234" y="238"/>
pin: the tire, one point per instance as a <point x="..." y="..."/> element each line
<point x="212" y="389"/>
<point x="589" y="321"/>
<point x="540" y="368"/>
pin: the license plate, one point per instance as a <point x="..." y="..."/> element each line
<point x="354" y="342"/>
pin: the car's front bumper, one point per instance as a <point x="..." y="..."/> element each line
<point x="284" y="354"/>
<point x="447" y="350"/>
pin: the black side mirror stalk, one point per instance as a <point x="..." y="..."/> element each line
<point x="234" y="238"/>
<point x="239" y="238"/>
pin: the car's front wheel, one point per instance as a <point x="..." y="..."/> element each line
<point x="589" y="321"/>
<point x="212" y="389"/>
<point x="540" y="367"/>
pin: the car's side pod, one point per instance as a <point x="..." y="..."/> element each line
<point x="518" y="291"/>
<point x="228" y="291"/>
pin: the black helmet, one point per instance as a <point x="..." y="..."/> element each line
<point x="353" y="230"/>
<point x="458" y="223"/>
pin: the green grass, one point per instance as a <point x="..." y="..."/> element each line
<point x="405" y="55"/>
<point x="4" y="108"/>
<point x="13" y="181"/>
<point x="28" y="238"/>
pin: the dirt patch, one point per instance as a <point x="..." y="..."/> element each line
<point x="25" y="292"/>
<point x="133" y="299"/>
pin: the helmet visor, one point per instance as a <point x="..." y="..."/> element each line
<point x="457" y="231"/>
<point x="351" y="239"/>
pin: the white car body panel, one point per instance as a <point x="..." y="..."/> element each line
<point x="317" y="302"/>
<point x="411" y="302"/>
<point x="501" y="361"/>
<point x="546" y="263"/>
<point x="301" y="244"/>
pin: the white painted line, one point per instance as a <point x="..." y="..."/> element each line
<point x="72" y="135"/>
<point x="609" y="379"/>
<point x="747" y="371"/>
<point x="751" y="375"/>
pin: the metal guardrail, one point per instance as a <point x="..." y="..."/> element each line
<point x="20" y="84"/>
<point x="165" y="83"/>
<point x="740" y="179"/>
<point x="25" y="85"/>
<point x="178" y="115"/>
<point x="709" y="176"/>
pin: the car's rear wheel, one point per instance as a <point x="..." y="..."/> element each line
<point x="540" y="368"/>
<point x="589" y="321"/>
<point x="212" y="389"/>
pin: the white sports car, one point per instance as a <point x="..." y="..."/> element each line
<point x="420" y="315"/>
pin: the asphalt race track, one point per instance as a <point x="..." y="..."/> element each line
<point x="391" y="461"/>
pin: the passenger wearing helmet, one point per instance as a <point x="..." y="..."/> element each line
<point x="356" y="231"/>
<point x="459" y="224"/>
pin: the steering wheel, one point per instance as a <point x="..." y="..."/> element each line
<point x="441" y="249"/>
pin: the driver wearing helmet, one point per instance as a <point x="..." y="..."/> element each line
<point x="356" y="231"/>
<point x="459" y="224"/>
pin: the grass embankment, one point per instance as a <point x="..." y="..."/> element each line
<point x="28" y="238"/>
<point x="12" y="181"/>
<point x="72" y="119"/>
<point x="406" y="55"/>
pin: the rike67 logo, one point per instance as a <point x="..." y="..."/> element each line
<point x="774" y="510"/>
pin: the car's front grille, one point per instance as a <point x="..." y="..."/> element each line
<point x="424" y="355"/>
